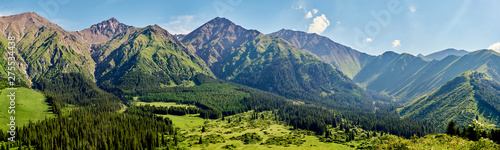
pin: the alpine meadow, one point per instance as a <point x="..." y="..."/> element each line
<point x="238" y="74"/>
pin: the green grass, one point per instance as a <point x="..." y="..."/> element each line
<point x="186" y="121"/>
<point x="219" y="132"/>
<point x="30" y="105"/>
<point x="436" y="141"/>
<point x="183" y="122"/>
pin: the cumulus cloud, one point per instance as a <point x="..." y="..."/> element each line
<point x="308" y="15"/>
<point x="396" y="43"/>
<point x="495" y="47"/>
<point x="300" y="7"/>
<point x="413" y="9"/>
<point x="368" y="39"/>
<point x="338" y="22"/>
<point x="319" y="24"/>
<point x="315" y="11"/>
<point x="180" y="24"/>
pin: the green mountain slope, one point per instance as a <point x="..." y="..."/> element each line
<point x="465" y="98"/>
<point x="144" y="59"/>
<point x="44" y="48"/>
<point x="407" y="77"/>
<point x="344" y="58"/>
<point x="272" y="64"/>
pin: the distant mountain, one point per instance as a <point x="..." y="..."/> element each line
<point x="179" y="36"/>
<point x="44" y="48"/>
<point x="344" y="58"/>
<point x="216" y="39"/>
<point x="465" y="98"/>
<point x="145" y="59"/>
<point x="272" y="64"/>
<point x="102" y="31"/>
<point x="442" y="54"/>
<point x="407" y="77"/>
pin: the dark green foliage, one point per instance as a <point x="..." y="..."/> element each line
<point x="307" y="117"/>
<point x="230" y="146"/>
<point x="141" y="60"/>
<point x="248" y="138"/>
<point x="472" y="91"/>
<point x="74" y="88"/>
<point x="215" y="99"/>
<point x="474" y="132"/>
<point x="452" y="130"/>
<point x="285" y="140"/>
<point x="90" y="128"/>
<point x="271" y="64"/>
<point x="173" y="110"/>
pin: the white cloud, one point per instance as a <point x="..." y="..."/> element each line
<point x="369" y="40"/>
<point x="308" y="15"/>
<point x="413" y="9"/>
<point x="180" y="24"/>
<point x="338" y="22"/>
<point x="6" y="13"/>
<point x="495" y="47"/>
<point x="315" y="11"/>
<point x="319" y="24"/>
<point x="300" y="7"/>
<point x="396" y="43"/>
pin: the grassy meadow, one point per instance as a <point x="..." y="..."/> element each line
<point x="30" y="105"/>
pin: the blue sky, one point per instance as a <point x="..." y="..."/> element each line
<point x="373" y="27"/>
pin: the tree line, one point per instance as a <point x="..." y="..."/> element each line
<point x="473" y="132"/>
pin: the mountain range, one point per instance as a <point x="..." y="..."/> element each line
<point x="44" y="48"/>
<point x="345" y="59"/>
<point x="467" y="98"/>
<point x="406" y="77"/>
<point x="133" y="60"/>
<point x="300" y="66"/>
<point x="272" y="64"/>
<point x="443" y="54"/>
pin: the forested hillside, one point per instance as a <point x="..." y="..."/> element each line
<point x="349" y="61"/>
<point x="407" y="77"/>
<point x="144" y="59"/>
<point x="272" y="64"/>
<point x="466" y="99"/>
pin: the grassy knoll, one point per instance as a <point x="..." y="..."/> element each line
<point x="30" y="105"/>
<point x="245" y="131"/>
<point x="187" y="121"/>
<point x="435" y="141"/>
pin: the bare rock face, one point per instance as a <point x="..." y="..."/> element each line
<point x="216" y="38"/>
<point x="103" y="31"/>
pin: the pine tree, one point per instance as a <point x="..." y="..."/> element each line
<point x="451" y="129"/>
<point x="327" y="134"/>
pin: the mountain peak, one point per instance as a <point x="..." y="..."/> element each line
<point x="219" y="20"/>
<point x="344" y="58"/>
<point x="31" y="17"/>
<point x="112" y="19"/>
<point x="216" y="38"/>
<point x="103" y="31"/>
<point x="17" y="24"/>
